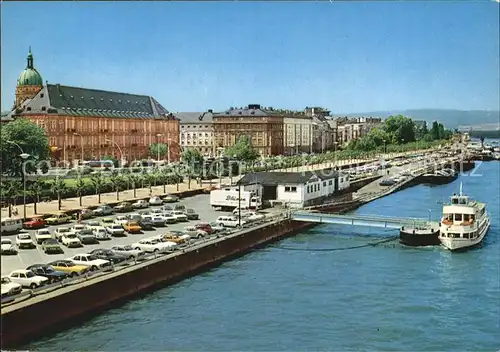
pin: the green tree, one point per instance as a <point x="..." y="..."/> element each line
<point x="98" y="182"/>
<point x="158" y="149"/>
<point x="117" y="182"/>
<point x="59" y="188"/>
<point x="36" y="189"/>
<point x="435" y="130"/>
<point x="11" y="189"/>
<point x="31" y="138"/>
<point x="242" y="150"/>
<point x="400" y="128"/>
<point x="134" y="180"/>
<point x="80" y="188"/>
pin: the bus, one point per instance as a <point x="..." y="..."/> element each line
<point x="10" y="225"/>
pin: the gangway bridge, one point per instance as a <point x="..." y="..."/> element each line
<point x="363" y="220"/>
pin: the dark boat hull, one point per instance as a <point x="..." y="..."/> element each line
<point x="438" y="179"/>
<point x="419" y="238"/>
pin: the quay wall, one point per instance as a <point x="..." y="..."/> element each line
<point x="50" y="312"/>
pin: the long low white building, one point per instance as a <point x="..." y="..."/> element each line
<point x="295" y="189"/>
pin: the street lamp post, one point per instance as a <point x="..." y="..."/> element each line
<point x="81" y="138"/>
<point x="119" y="149"/>
<point x="24" y="156"/>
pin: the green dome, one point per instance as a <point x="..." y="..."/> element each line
<point x="30" y="76"/>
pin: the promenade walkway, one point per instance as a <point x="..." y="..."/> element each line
<point x="69" y="204"/>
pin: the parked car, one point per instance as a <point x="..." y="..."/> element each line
<point x="157" y="220"/>
<point x="71" y="240"/>
<point x="107" y="221"/>
<point x="155" y="201"/>
<point x="101" y="234"/>
<point x="151" y="246"/>
<point x="146" y="224"/>
<point x="93" y="224"/>
<point x="132" y="227"/>
<point x="115" y="230"/>
<point x="91" y="261"/>
<point x="229" y="221"/>
<point x="172" y="238"/>
<point x="27" y="278"/>
<point x="388" y="182"/>
<point x="10" y="288"/>
<point x="24" y="240"/>
<point x="61" y="231"/>
<point x="166" y="208"/>
<point x="77" y="228"/>
<point x="69" y="267"/>
<point x="243" y="212"/>
<point x="57" y="219"/>
<point x="109" y="255"/>
<point x="140" y="204"/>
<point x="191" y="214"/>
<point x="193" y="232"/>
<point x="51" y="246"/>
<point x="255" y="217"/>
<point x="48" y="272"/>
<point x="102" y="210"/>
<point x="180" y="234"/>
<point x="124" y="207"/>
<point x="121" y="219"/>
<point x="35" y="223"/>
<point x="168" y="217"/>
<point x="180" y="207"/>
<point x="42" y="235"/>
<point x="129" y="252"/>
<point x="134" y="217"/>
<point x="156" y="211"/>
<point x="179" y="215"/>
<point x="86" y="236"/>
<point x="216" y="227"/>
<point x="205" y="227"/>
<point x="85" y="214"/>
<point x="170" y="198"/>
<point x="8" y="247"/>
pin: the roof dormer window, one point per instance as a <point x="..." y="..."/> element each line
<point x="44" y="108"/>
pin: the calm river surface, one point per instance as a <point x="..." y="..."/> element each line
<point x="373" y="298"/>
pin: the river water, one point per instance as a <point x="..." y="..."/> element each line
<point x="293" y="296"/>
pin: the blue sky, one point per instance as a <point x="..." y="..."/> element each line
<point x="346" y="56"/>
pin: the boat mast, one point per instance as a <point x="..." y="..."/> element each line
<point x="460" y="188"/>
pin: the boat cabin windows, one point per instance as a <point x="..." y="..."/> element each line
<point x="459" y="200"/>
<point x="458" y="217"/>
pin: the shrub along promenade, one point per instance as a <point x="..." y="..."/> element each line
<point x="73" y="204"/>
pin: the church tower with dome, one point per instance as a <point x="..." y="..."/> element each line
<point x="29" y="82"/>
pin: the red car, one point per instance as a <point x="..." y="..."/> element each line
<point x="35" y="223"/>
<point x="205" y="227"/>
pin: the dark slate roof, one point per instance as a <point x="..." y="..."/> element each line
<point x="74" y="101"/>
<point x="281" y="178"/>
<point x="194" y="117"/>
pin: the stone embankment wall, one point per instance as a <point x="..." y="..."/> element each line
<point x="51" y="311"/>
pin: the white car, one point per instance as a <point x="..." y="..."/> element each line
<point x="193" y="232"/>
<point x="151" y="246"/>
<point x="129" y="252"/>
<point x="179" y="215"/>
<point x="91" y="261"/>
<point x="169" y="217"/>
<point x="101" y="233"/>
<point x="121" y="219"/>
<point x="23" y="240"/>
<point x="42" y="235"/>
<point x="155" y="201"/>
<point x="77" y="228"/>
<point x="8" y="247"/>
<point x="10" y="288"/>
<point x="71" y="240"/>
<point x="157" y="211"/>
<point x="134" y="217"/>
<point x="229" y="221"/>
<point x="93" y="224"/>
<point x="27" y="278"/>
<point x="254" y="217"/>
<point x="244" y="212"/>
<point x="115" y="230"/>
<point x="61" y="231"/>
<point x="140" y="204"/>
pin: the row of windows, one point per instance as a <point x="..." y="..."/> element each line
<point x="195" y="126"/>
<point x="188" y="142"/>
<point x="201" y="134"/>
<point x="315" y="187"/>
<point x="290" y="189"/>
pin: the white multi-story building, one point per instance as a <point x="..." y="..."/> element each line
<point x="196" y="131"/>
<point x="297" y="134"/>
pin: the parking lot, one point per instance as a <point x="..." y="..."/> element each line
<point x="27" y="257"/>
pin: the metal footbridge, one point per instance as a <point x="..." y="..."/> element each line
<point x="362" y="220"/>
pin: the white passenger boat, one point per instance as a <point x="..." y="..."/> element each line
<point x="464" y="224"/>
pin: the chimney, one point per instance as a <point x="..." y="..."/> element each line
<point x="210" y="111"/>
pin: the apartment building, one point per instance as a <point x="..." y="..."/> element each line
<point x="197" y="131"/>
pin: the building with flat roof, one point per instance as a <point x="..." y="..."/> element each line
<point x="197" y="131"/>
<point x="87" y="124"/>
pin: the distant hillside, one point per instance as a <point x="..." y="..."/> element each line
<point x="449" y="118"/>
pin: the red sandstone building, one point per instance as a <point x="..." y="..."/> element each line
<point x="87" y="124"/>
